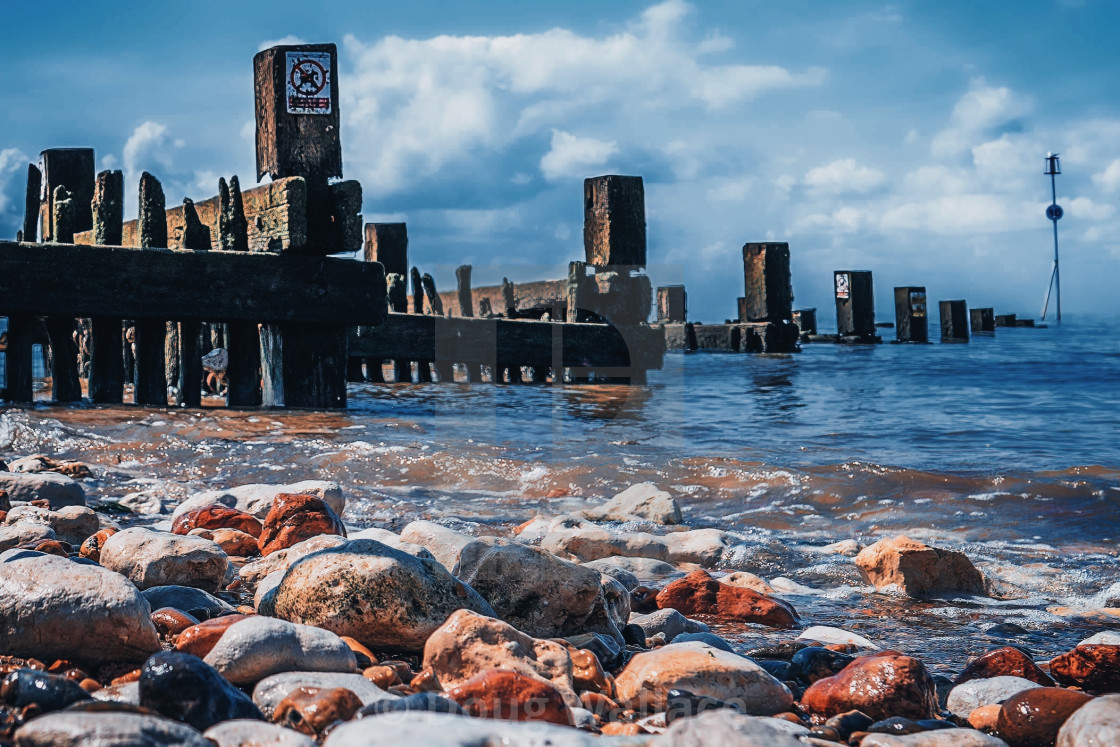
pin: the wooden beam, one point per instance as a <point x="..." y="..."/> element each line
<point x="509" y="343"/>
<point x="162" y="284"/>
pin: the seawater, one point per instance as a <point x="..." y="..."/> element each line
<point x="1007" y="448"/>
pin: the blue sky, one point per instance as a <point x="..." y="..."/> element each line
<point x="905" y="138"/>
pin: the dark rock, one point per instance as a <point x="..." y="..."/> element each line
<point x="605" y="648"/>
<point x="1008" y="661"/>
<point x="634" y="635"/>
<point x="811" y="664"/>
<point x="314" y="710"/>
<point x="425" y="701"/>
<point x="1033" y="718"/>
<point x="896" y="725"/>
<point x="183" y="687"/>
<point x="711" y="639"/>
<point x="776" y="667"/>
<point x="944" y="686"/>
<point x="1007" y="629"/>
<point x="783" y="650"/>
<point x="643" y="599"/>
<point x="683" y="704"/>
<point x="50" y="692"/>
<point x="194" y="602"/>
<point x="850" y="722"/>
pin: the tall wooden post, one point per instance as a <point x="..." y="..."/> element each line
<point x="398" y="302"/>
<point x="151" y="373"/>
<point x="911" y="316"/>
<point x="671" y="304"/>
<point x="18" y="357"/>
<point x="71" y="168"/>
<point x="855" y="305"/>
<point x="31" y="203"/>
<point x="195" y="237"/>
<point x="466" y="308"/>
<point x="614" y="221"/>
<point x="65" y="384"/>
<point x="243" y="341"/>
<point x="954" y="321"/>
<point x="769" y="289"/>
<point x="106" y="368"/>
<point x="387" y="243"/>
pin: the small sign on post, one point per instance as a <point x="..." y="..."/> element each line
<point x="308" y="82"/>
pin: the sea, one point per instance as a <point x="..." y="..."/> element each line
<point x="1006" y="448"/>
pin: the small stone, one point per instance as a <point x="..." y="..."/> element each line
<point x="271" y="691"/>
<point x="256" y="647"/>
<point x="1107" y="637"/>
<point x="52" y="547"/>
<point x="150" y="559"/>
<point x="590" y="543"/>
<point x="967" y="697"/>
<point x="1033" y="717"/>
<point x="985" y="718"/>
<point x="726" y="727"/>
<point x="646" y="570"/>
<point x="42" y="595"/>
<point x="170" y="622"/>
<point x="24" y="534"/>
<point x="642" y="501"/>
<point x="541" y="594"/>
<point x="588" y="673"/>
<point x="247" y="733"/>
<point x="1095" y="723"/>
<point x="1007" y="661"/>
<point x="879" y="685"/>
<point x="279" y="561"/>
<point x="70" y="729"/>
<point x="312" y="710"/>
<point x="1093" y="667"/>
<point x="382" y="676"/>
<point x="48" y="692"/>
<point x="144" y="502"/>
<point x="917" y="569"/>
<point x="645" y="682"/>
<point x="234" y="543"/>
<point x="468" y="644"/>
<point x="511" y="696"/>
<point x="747" y="580"/>
<point x="668" y="621"/>
<point x="683" y="704"/>
<point x="297" y="517"/>
<point x="91" y="548"/>
<point x="700" y="594"/>
<point x="813" y="663"/>
<point x="705" y="547"/>
<point x="710" y="639"/>
<point x="216" y="516"/>
<point x="185" y="688"/>
<point x="382" y="597"/>
<point x="424" y="701"/>
<point x="826" y="635"/>
<point x="58" y="490"/>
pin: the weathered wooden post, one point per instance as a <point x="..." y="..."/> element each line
<point x="195" y="237"/>
<point x="767" y="281"/>
<point x="671" y="304"/>
<point x="66" y="386"/>
<point x="387" y="243"/>
<point x="910" y="314"/>
<point x="445" y="368"/>
<point x="151" y="375"/>
<point x="31" y="206"/>
<point x="855" y="306"/>
<point x="398" y="302"/>
<point x="983" y="319"/>
<point x="71" y="168"/>
<point x="18" y="356"/>
<point x="417" y="291"/>
<point x="466" y="309"/>
<point x="806" y="321"/>
<point x="243" y="339"/>
<point x="1006" y="320"/>
<point x="954" y="321"/>
<point x="614" y="221"/>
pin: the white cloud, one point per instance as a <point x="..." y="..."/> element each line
<point x="147" y="147"/>
<point x="844" y="176"/>
<point x="1084" y="208"/>
<point x="422" y="105"/>
<point x="11" y="160"/>
<point x="1109" y="179"/>
<point x="956" y="215"/>
<point x="975" y="115"/>
<point x="288" y="40"/>
<point x="572" y="156"/>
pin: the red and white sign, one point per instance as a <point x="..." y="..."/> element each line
<point x="843" y="285"/>
<point x="308" y="82"/>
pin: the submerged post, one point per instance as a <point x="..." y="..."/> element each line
<point x="910" y="314"/>
<point x="671" y="304"/>
<point x="954" y="321"/>
<point x="855" y="306"/>
<point x="982" y="320"/>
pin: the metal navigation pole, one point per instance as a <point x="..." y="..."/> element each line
<point x="1054" y="213"/>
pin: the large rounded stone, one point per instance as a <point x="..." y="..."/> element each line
<point x="295" y="517"/>
<point x="185" y="688"/>
<point x="150" y="558"/>
<point x="881" y="685"/>
<point x="1007" y="661"/>
<point x="725" y="727"/>
<point x="641" y="501"/>
<point x="541" y="594"/>
<point x="647" y="570"/>
<point x="57" y="490"/>
<point x="257" y="498"/>
<point x="700" y="594"/>
<point x="469" y="644"/>
<point x="25" y="534"/>
<point x="53" y="608"/>
<point x="706" y="547"/>
<point x="443" y="543"/>
<point x="216" y="516"/>
<point x="281" y="560"/>
<point x="71" y="524"/>
<point x="938" y="738"/>
<point x="511" y="696"/>
<point x="645" y="682"/>
<point x="965" y="698"/>
<point x="109" y="729"/>
<point x="1095" y="667"/>
<point x="194" y="602"/>
<point x="918" y="569"/>
<point x="382" y="597"/>
<point x="1033" y="717"/>
<point x="1095" y="723"/>
<point x="256" y="647"/>
<point x="589" y="543"/>
<point x="247" y="733"/>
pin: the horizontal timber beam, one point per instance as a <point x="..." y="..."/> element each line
<point x="121" y="282"/>
<point x="511" y="342"/>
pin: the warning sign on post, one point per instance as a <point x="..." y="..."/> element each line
<point x="309" y="82"/>
<point x="843" y="285"/>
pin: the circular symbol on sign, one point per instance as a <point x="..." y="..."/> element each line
<point x="1054" y="212"/>
<point x="308" y="77"/>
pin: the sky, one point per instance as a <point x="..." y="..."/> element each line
<point x="904" y="138"/>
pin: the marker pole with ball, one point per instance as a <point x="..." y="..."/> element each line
<point x="1054" y="213"/>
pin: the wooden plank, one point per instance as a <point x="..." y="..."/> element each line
<point x="510" y="343"/>
<point x="106" y="374"/>
<point x="159" y="283"/>
<point x="18" y="357"/>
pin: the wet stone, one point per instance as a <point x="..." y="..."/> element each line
<point x="256" y="647"/>
<point x="295" y="517"/>
<point x="195" y="602"/>
<point x="1033" y="718"/>
<point x="216" y="516"/>
<point x="811" y="664"/>
<point x="1008" y="661"/>
<point x="1094" y="667"/>
<point x="311" y="710"/>
<point x="700" y="594"/>
<point x="183" y="687"/>
<point x="511" y="696"/>
<point x="881" y="685"/>
<point x="271" y="691"/>
<point x="1095" y="723"/>
<point x="48" y="692"/>
<point x="199" y="639"/>
<point x="170" y="622"/>
<point x="966" y="697"/>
